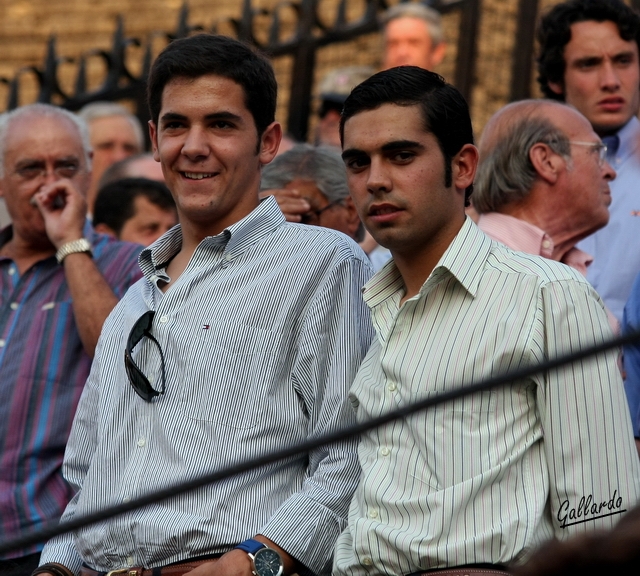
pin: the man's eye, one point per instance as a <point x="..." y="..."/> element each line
<point x="403" y="156"/>
<point x="357" y="163"/>
<point x="222" y="124"/>
<point x="68" y="169"/>
<point x="30" y="172"/>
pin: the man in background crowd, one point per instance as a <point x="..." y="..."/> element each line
<point x="318" y="175"/>
<point x="58" y="282"/>
<point x="589" y="59"/>
<point x="115" y="133"/>
<point x="413" y="36"/>
<point x="543" y="181"/>
<point x="135" y="210"/>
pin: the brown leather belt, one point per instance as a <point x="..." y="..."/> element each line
<point x="173" y="570"/>
<point x="464" y="571"/>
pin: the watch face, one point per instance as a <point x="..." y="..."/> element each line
<point x="267" y="562"/>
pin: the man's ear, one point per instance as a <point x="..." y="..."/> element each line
<point x="270" y="142"/>
<point x="546" y="162"/>
<point x="556" y="87"/>
<point x="104" y="229"/>
<point x="153" y="135"/>
<point x="463" y="166"/>
<point x="437" y="54"/>
<point x="353" y="220"/>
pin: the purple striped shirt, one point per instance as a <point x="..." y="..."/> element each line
<point x="43" y="368"/>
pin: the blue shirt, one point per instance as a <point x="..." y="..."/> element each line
<point x="616" y="247"/>
<point x="631" y="323"/>
<point x="44" y="368"/>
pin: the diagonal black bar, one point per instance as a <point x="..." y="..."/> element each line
<point x="57" y="528"/>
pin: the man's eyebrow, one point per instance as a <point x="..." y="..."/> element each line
<point x="222" y="115"/>
<point x="351" y="153"/>
<point x="401" y="145"/>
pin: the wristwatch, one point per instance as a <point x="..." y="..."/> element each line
<point x="265" y="561"/>
<point x="74" y="247"/>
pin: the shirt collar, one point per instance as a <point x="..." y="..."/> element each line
<point x="464" y="259"/>
<point x="235" y="239"/>
<point x="516" y="233"/>
<point x="629" y="136"/>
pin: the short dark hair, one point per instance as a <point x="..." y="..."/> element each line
<point x="213" y="54"/>
<point x="444" y="109"/>
<point x="115" y="201"/>
<point x="554" y="33"/>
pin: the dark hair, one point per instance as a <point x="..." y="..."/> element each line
<point x="115" y="201"/>
<point x="211" y="54"/>
<point x="554" y="33"/>
<point x="444" y="109"/>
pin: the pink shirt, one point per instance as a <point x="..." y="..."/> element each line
<point x="525" y="237"/>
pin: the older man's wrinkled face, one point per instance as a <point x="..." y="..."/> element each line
<point x="39" y="150"/>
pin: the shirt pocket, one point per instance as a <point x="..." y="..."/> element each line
<point x="228" y="379"/>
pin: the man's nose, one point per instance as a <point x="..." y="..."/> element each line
<point x="609" y="79"/>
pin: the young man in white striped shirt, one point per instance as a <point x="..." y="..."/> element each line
<point x="243" y="337"/>
<point x="472" y="485"/>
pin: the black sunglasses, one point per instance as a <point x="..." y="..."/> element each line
<point x="137" y="379"/>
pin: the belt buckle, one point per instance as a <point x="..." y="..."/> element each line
<point x="122" y="572"/>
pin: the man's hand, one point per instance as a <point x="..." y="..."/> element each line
<point x="293" y="205"/>
<point x="64" y="211"/>
<point x="233" y="563"/>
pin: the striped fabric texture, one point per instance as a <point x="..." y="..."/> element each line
<point x="262" y="336"/>
<point x="485" y="478"/>
<point x="43" y="368"/>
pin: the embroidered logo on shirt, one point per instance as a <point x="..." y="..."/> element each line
<point x="206" y="326"/>
<point x="635" y="212"/>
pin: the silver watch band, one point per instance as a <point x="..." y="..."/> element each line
<point x="73" y="247"/>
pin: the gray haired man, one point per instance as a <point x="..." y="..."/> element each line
<point x="543" y="180"/>
<point x="413" y="36"/>
<point x="317" y="176"/>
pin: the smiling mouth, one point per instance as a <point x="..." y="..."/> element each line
<point x="197" y="175"/>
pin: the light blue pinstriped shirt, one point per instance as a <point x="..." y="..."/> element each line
<point x="484" y="478"/>
<point x="262" y="335"/>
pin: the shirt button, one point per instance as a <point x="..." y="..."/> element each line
<point x="14" y="306"/>
<point x="373" y="513"/>
<point x="130" y="560"/>
<point x="12" y="271"/>
<point x="367" y="561"/>
<point x="164" y="319"/>
<point x="546" y="244"/>
<point x="2" y="343"/>
<point x="392" y="387"/>
<point x="126" y="500"/>
<point x="141" y="442"/>
<point x="385" y="451"/>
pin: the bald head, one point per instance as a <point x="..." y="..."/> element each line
<point x="504" y="122"/>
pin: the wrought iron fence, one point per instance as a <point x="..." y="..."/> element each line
<point x="310" y="34"/>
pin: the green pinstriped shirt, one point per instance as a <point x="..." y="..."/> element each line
<point x="485" y="478"/>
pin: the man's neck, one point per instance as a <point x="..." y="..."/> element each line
<point x="552" y="223"/>
<point x="415" y="266"/>
<point x="24" y="253"/>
